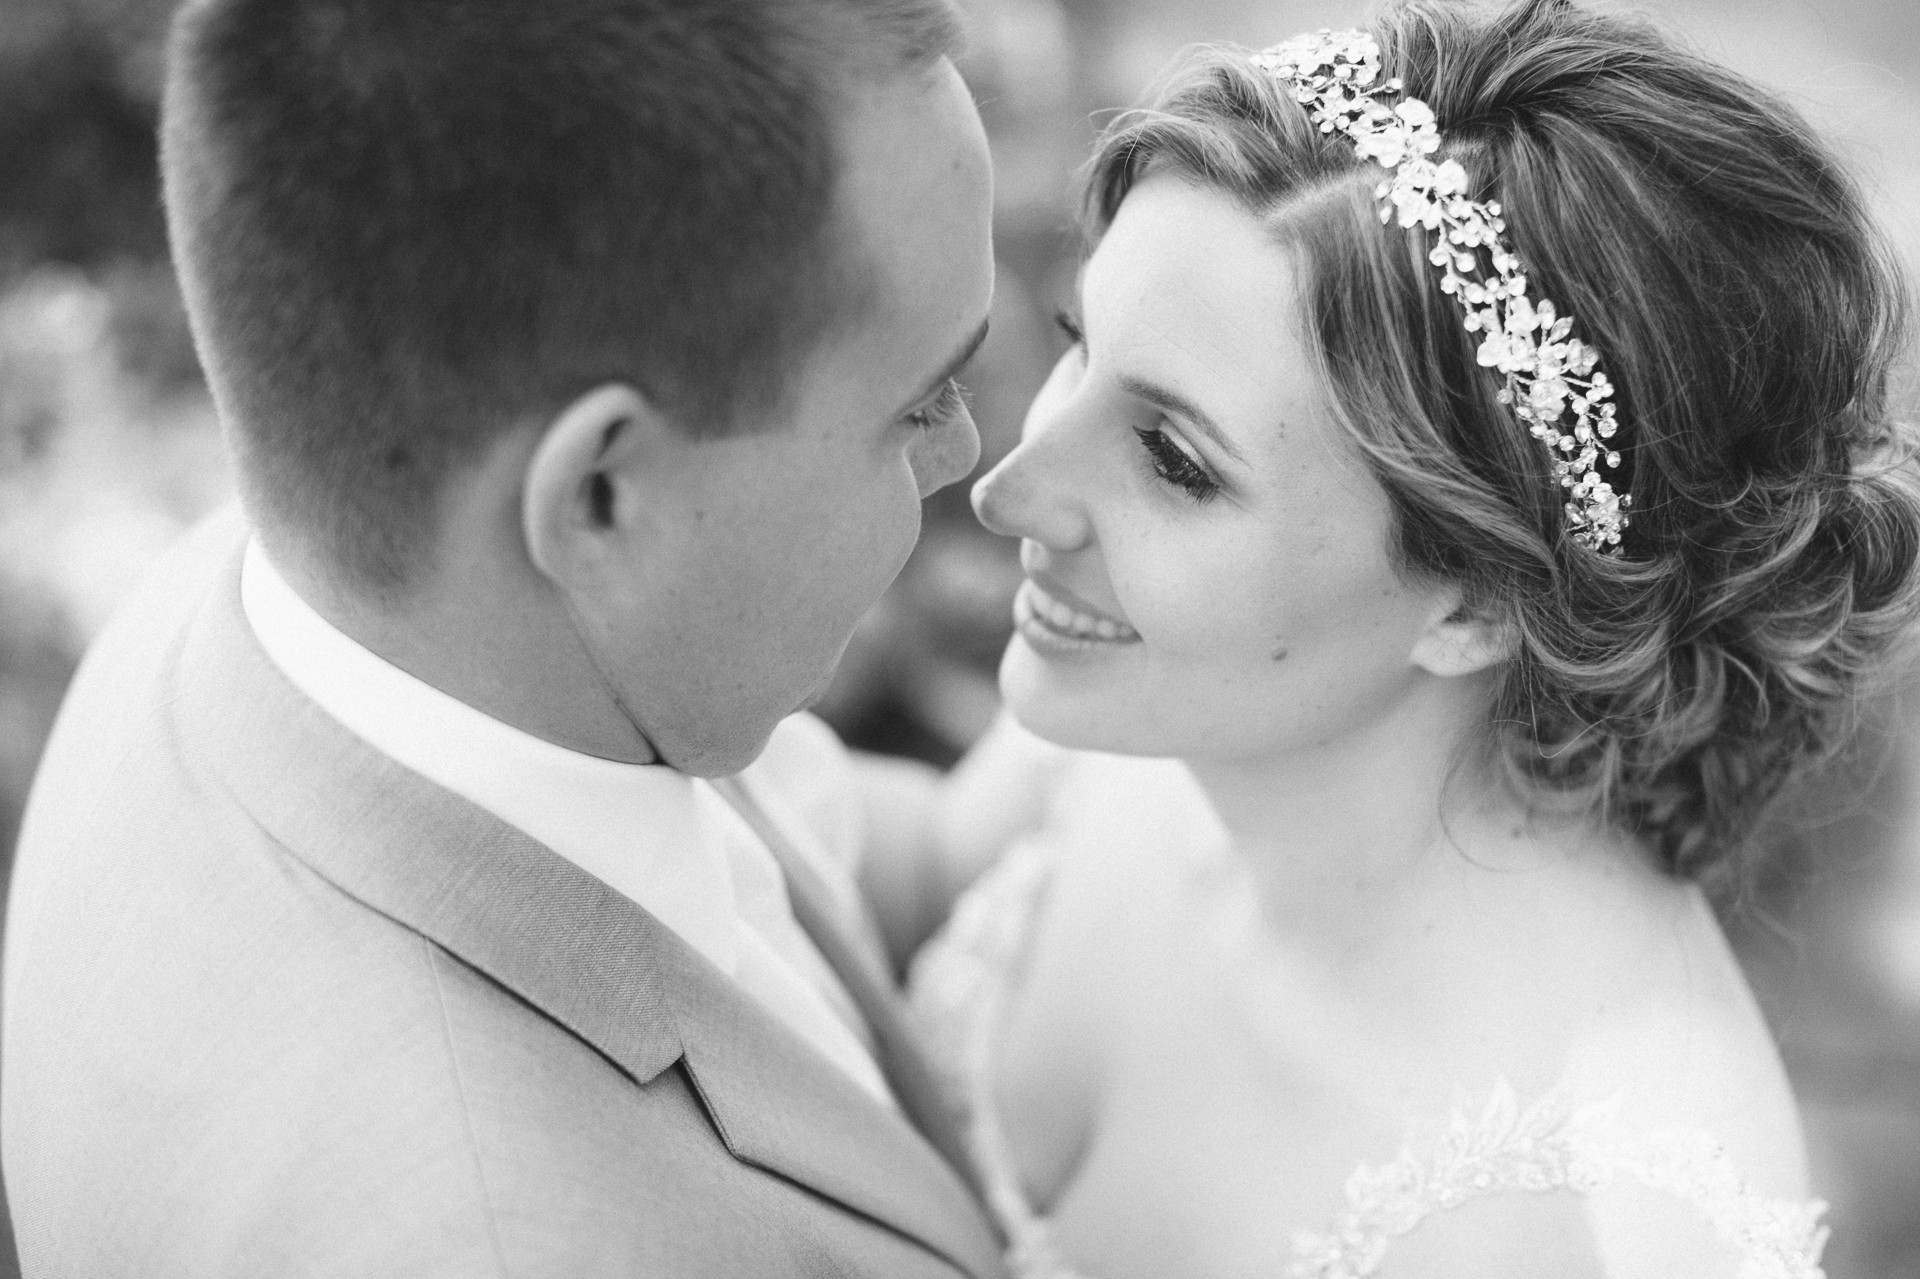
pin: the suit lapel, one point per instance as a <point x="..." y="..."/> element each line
<point x="581" y="953"/>
<point x="862" y="969"/>
<point x="793" y="1113"/>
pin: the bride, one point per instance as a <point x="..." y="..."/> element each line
<point x="1466" y="502"/>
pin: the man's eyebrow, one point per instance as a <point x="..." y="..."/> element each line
<point x="953" y="366"/>
<point x="1180" y="405"/>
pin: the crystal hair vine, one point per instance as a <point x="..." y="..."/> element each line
<point x="1548" y="372"/>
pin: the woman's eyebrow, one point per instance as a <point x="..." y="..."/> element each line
<point x="1173" y="402"/>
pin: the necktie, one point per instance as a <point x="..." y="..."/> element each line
<point x="860" y="969"/>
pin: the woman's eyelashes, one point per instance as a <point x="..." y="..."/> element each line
<point x="1171" y="461"/>
<point x="1173" y="464"/>
<point x="944" y="408"/>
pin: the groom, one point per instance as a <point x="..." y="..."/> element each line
<point x="584" y="364"/>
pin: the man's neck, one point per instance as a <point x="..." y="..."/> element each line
<point x="492" y="639"/>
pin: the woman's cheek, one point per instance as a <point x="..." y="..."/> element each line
<point x="1178" y="609"/>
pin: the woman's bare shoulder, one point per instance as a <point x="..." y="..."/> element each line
<point x="1688" y="1049"/>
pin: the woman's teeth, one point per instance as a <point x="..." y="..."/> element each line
<point x="1067" y="620"/>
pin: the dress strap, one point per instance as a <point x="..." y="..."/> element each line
<point x="960" y="985"/>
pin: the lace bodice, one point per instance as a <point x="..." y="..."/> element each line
<point x="959" y="989"/>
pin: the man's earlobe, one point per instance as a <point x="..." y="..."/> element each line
<point x="1461" y="640"/>
<point x="570" y="499"/>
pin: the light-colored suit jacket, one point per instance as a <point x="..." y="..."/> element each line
<point x="275" y="1005"/>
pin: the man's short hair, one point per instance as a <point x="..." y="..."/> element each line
<point x="407" y="226"/>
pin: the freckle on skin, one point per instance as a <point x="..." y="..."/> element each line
<point x="1280" y="654"/>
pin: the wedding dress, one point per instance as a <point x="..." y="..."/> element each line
<point x="959" y="988"/>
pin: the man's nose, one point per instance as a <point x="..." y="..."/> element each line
<point x="946" y="454"/>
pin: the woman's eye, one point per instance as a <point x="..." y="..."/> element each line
<point x="1175" y="465"/>
<point x="945" y="407"/>
<point x="1071" y="327"/>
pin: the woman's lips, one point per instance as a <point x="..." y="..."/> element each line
<point x="1041" y="615"/>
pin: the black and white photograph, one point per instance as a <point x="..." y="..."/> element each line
<point x="960" y="639"/>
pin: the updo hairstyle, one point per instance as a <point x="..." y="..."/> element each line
<point x="1743" y="304"/>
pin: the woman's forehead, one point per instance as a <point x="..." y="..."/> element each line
<point x="1189" y="289"/>
<point x="1176" y="251"/>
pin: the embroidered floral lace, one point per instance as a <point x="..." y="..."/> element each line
<point x="959" y="988"/>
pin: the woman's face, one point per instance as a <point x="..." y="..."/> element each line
<point x="1206" y="558"/>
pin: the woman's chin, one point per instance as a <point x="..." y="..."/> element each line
<point x="1067" y="703"/>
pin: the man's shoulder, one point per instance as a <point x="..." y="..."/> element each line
<point x="125" y="669"/>
<point x="109" y="769"/>
<point x="314" y="1087"/>
<point x="340" y="1096"/>
<point x="165" y="599"/>
<point x="220" y="1059"/>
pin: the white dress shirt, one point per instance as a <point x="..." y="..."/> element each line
<point x="667" y="841"/>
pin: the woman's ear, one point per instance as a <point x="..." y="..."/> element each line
<point x="577" y="500"/>
<point x="1459" y="640"/>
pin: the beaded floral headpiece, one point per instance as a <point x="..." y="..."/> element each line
<point x="1552" y="380"/>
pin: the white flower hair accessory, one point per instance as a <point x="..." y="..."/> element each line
<point x="1553" y="381"/>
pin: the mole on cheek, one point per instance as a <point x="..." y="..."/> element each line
<point x="1280" y="654"/>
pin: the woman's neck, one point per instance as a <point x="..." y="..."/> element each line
<point x="1342" y="836"/>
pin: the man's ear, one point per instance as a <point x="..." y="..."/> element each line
<point x="1460" y="640"/>
<point x="579" y="498"/>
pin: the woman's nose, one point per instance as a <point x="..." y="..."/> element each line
<point x="1028" y="496"/>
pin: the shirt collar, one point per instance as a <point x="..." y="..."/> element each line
<point x="636" y="827"/>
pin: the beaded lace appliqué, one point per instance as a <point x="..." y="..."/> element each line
<point x="960" y="987"/>
<point x="1551" y="1145"/>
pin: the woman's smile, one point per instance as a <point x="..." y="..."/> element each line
<point x="1051" y="624"/>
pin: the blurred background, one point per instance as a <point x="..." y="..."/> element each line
<point x="108" y="449"/>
